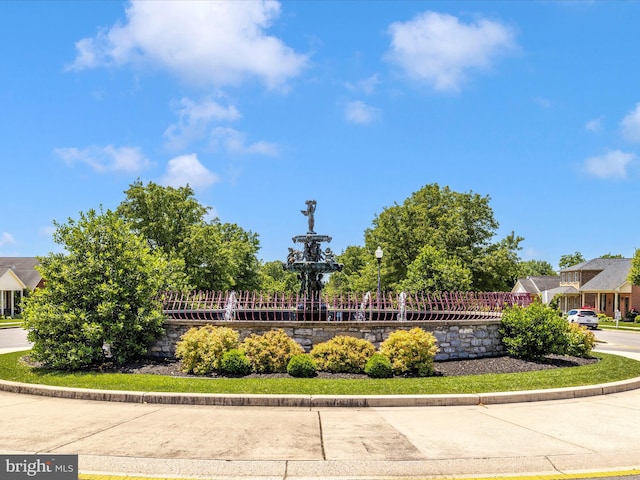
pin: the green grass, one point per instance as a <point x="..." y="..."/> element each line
<point x="10" y="322"/>
<point x="610" y="368"/>
<point x="622" y="325"/>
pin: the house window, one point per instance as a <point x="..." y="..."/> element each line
<point x="603" y="302"/>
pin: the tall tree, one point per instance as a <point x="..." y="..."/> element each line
<point x="461" y="225"/>
<point x="535" y="268"/>
<point x="162" y="215"/>
<point x="570" y="259"/>
<point x="102" y="291"/>
<point x="215" y="255"/>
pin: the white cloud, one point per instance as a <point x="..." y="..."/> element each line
<point x="439" y="49"/>
<point x="613" y="164"/>
<point x="194" y="120"/>
<point x="361" y="113"/>
<point x="631" y="125"/>
<point x="594" y="125"/>
<point x="234" y="141"/>
<point x="368" y="85"/>
<point x="6" y="239"/>
<point x="106" y="159"/>
<point x="47" y="231"/>
<point x="187" y="169"/>
<point x="210" y="42"/>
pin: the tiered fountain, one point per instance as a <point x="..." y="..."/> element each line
<point x="311" y="263"/>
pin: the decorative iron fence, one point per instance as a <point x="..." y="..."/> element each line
<point x="258" y="306"/>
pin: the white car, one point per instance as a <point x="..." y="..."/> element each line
<point x="583" y="316"/>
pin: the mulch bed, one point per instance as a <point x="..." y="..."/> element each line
<point x="452" y="368"/>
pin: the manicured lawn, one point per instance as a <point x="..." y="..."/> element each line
<point x="10" y="322"/>
<point x="611" y="368"/>
<point x="622" y="325"/>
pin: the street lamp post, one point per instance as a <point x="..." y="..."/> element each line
<point x="379" y="259"/>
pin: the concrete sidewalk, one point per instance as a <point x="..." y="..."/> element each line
<point x="580" y="434"/>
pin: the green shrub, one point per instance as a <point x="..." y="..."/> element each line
<point x="378" y="366"/>
<point x="580" y="341"/>
<point x="302" y="366"/>
<point x="271" y="351"/>
<point x="235" y="363"/>
<point x="201" y="349"/>
<point x="534" y="331"/>
<point x="410" y="352"/>
<point x="342" y="354"/>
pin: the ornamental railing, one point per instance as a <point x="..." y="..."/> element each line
<point x="366" y="306"/>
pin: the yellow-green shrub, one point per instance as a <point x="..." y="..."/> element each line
<point x="271" y="351"/>
<point x="201" y="349"/>
<point x="580" y="341"/>
<point x="342" y="354"/>
<point x="411" y="352"/>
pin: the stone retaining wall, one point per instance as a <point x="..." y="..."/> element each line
<point x="457" y="339"/>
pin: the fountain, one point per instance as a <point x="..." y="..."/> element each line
<point x="310" y="264"/>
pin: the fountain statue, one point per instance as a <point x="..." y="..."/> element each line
<point x="311" y="263"/>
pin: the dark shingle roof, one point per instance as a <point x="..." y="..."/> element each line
<point x="611" y="278"/>
<point x="24" y="268"/>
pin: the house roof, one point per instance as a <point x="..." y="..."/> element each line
<point x="565" y="290"/>
<point x="595" y="264"/>
<point x="24" y="268"/>
<point x="537" y="284"/>
<point x="611" y="278"/>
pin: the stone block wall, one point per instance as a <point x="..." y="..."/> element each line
<point x="457" y="339"/>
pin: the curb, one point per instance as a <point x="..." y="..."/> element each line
<point x="318" y="401"/>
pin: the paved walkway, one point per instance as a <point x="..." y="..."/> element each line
<point x="583" y="434"/>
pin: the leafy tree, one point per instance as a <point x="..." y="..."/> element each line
<point x="359" y="272"/>
<point x="634" y="272"/>
<point x="274" y="278"/>
<point x="434" y="271"/>
<point x="221" y="256"/>
<point x="610" y="255"/>
<point x="215" y="255"/>
<point x="102" y="291"/>
<point x="162" y="215"/>
<point x="569" y="260"/>
<point x="535" y="268"/>
<point x="460" y="224"/>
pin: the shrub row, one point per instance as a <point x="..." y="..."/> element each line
<point x="208" y="349"/>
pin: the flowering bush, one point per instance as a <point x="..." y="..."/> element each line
<point x="201" y="349"/>
<point x="410" y="352"/>
<point x="343" y="354"/>
<point x="271" y="351"/>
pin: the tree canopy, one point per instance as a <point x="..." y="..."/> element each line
<point x="434" y="234"/>
<point x="535" y="268"/>
<point x="571" y="259"/>
<point x="215" y="255"/>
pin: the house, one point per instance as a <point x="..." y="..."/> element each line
<point x="538" y="285"/>
<point x="600" y="284"/>
<point x="17" y="275"/>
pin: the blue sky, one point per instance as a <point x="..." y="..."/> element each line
<point x="357" y="104"/>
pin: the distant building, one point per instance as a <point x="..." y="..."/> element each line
<point x="538" y="285"/>
<point x="17" y="275"/>
<point x="600" y="284"/>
